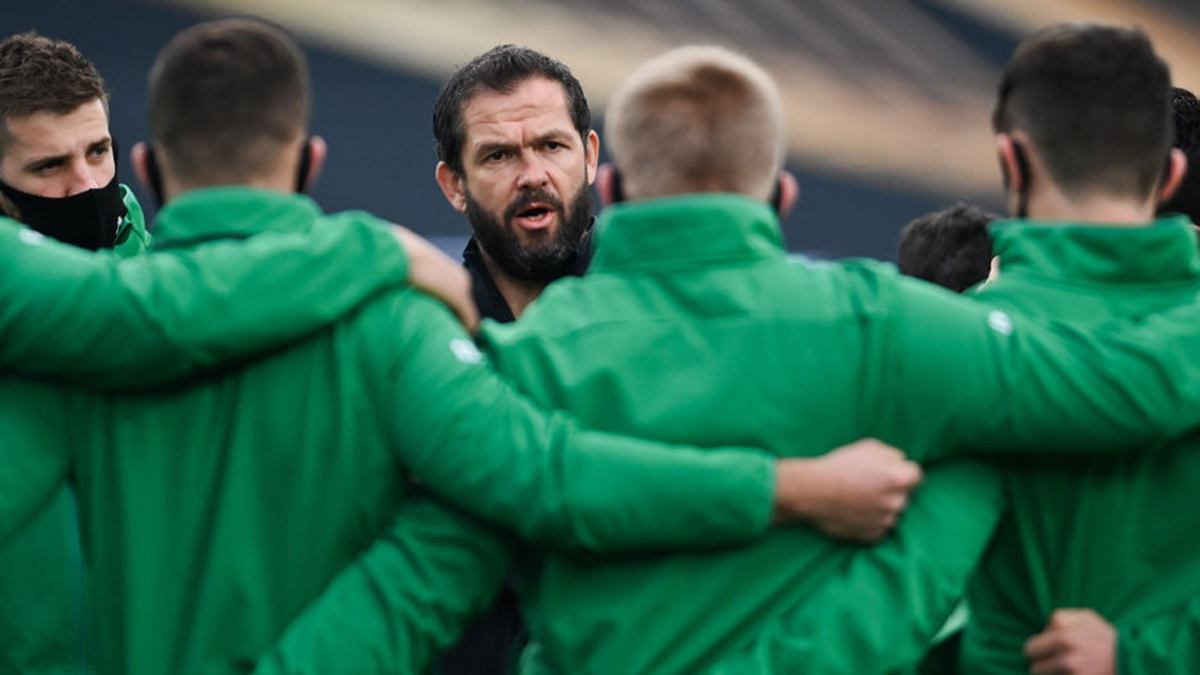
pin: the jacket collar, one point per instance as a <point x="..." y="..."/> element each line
<point x="1165" y="251"/>
<point x="231" y="213"/>
<point x="688" y="230"/>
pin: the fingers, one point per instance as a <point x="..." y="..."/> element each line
<point x="1045" y="645"/>
<point x="1075" y="642"/>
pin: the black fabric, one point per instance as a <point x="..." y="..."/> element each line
<point x="492" y="643"/>
<point x="488" y="299"/>
<point x="88" y="220"/>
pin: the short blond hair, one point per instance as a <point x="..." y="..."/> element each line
<point x="697" y="119"/>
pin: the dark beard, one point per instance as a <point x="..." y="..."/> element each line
<point x="542" y="261"/>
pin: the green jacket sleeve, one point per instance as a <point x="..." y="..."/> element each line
<point x="967" y="377"/>
<point x="482" y="446"/>
<point x="71" y="315"/>
<point x="879" y="613"/>
<point x="401" y="602"/>
<point x="1164" y="644"/>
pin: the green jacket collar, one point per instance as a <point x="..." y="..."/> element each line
<point x="231" y="213"/>
<point x="1163" y="252"/>
<point x="687" y="230"/>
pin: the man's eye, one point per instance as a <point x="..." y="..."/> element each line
<point x="495" y="156"/>
<point x="554" y="145"/>
<point x="99" y="151"/>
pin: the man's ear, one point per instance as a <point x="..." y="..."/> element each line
<point x="1010" y="163"/>
<point x="789" y="193"/>
<point x="452" y="186"/>
<point x="1177" y="168"/>
<point x="137" y="157"/>
<point x="146" y="166"/>
<point x="318" y="151"/>
<point x="606" y="184"/>
<point x="591" y="148"/>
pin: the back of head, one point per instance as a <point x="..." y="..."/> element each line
<point x="950" y="248"/>
<point x="1187" y="138"/>
<point x="1095" y="102"/>
<point x="38" y="74"/>
<point x="226" y="98"/>
<point x="500" y="69"/>
<point x="697" y="119"/>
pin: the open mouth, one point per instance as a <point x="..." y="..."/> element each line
<point x="535" y="217"/>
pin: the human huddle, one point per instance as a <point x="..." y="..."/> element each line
<point x="257" y="437"/>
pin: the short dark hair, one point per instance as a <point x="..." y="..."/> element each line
<point x="38" y="74"/>
<point x="500" y="69"/>
<point x="1187" y="138"/>
<point x="950" y="248"/>
<point x="225" y="97"/>
<point x="1095" y="101"/>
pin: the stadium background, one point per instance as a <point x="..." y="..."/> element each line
<point x="888" y="99"/>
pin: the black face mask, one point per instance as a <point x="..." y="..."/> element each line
<point x="88" y="220"/>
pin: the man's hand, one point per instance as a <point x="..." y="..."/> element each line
<point x="854" y="492"/>
<point x="433" y="272"/>
<point x="1075" y="642"/>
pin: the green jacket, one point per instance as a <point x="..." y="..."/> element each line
<point x="41" y="572"/>
<point x="1116" y="536"/>
<point x="693" y="326"/>
<point x="213" y="513"/>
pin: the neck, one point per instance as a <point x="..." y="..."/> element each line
<point x="518" y="293"/>
<point x="1095" y="210"/>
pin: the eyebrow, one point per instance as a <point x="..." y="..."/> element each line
<point x="54" y="160"/>
<point x="488" y="147"/>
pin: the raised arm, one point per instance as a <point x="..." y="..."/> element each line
<point x="71" y="315"/>
<point x="968" y="377"/>
<point x="480" y="445"/>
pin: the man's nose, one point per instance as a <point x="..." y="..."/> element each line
<point x="83" y="177"/>
<point x="533" y="171"/>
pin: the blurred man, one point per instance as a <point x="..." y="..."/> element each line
<point x="950" y="248"/>
<point x="517" y="155"/>
<point x="212" y="513"/>
<point x="57" y="176"/>
<point x="1083" y="125"/>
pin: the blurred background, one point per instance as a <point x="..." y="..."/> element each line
<point x="888" y="100"/>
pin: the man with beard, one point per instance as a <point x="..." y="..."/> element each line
<point x="517" y="155"/>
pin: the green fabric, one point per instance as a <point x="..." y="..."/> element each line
<point x="159" y="317"/>
<point x="132" y="238"/>
<point x="41" y="604"/>
<point x="693" y="326"/>
<point x="212" y="514"/>
<point x="42" y="620"/>
<point x="1113" y="535"/>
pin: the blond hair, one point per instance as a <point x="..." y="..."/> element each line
<point x="697" y="119"/>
